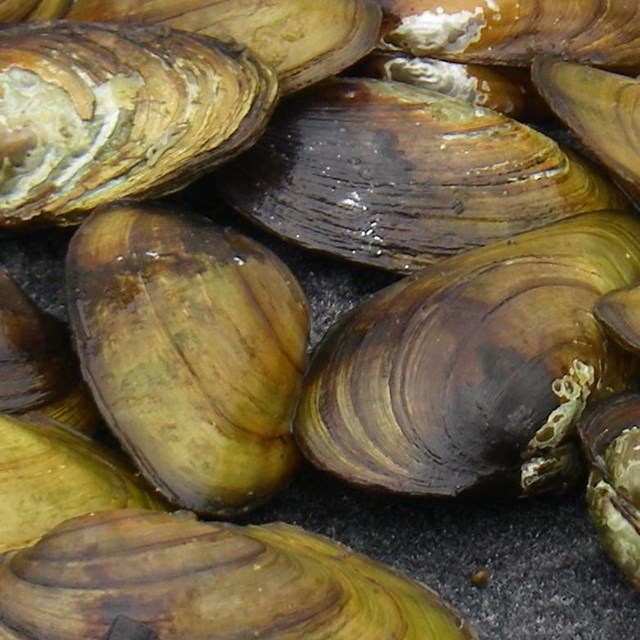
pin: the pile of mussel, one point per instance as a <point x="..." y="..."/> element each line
<point x="502" y="357"/>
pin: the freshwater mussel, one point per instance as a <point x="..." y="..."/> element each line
<point x="399" y="177"/>
<point x="610" y="433"/>
<point x="92" y="113"/>
<point x="49" y="473"/>
<point x="187" y="579"/>
<point x="39" y="373"/>
<point x="474" y="371"/>
<point x="193" y="341"/>
<point x="303" y="40"/>
<point x="512" y="32"/>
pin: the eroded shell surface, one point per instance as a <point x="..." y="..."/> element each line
<point x="610" y="434"/>
<point x="193" y="341"/>
<point x="303" y="40"/>
<point x="49" y="473"/>
<point x="93" y="113"/>
<point x="186" y="579"/>
<point x="475" y="370"/>
<point x="398" y="177"/>
<point x="512" y="32"/>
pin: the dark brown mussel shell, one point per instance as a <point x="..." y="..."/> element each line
<point x="474" y="371"/>
<point x="600" y="107"/>
<point x="508" y="90"/>
<point x="619" y="312"/>
<point x="193" y="341"/>
<point x="39" y="372"/>
<point x="92" y="113"/>
<point x="303" y="40"/>
<point x="399" y="177"/>
<point x="180" y="579"/>
<point x="610" y="434"/>
<point x="49" y="473"/>
<point x="512" y="32"/>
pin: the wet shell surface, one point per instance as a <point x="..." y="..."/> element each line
<point x="186" y="579"/>
<point x="512" y="32"/>
<point x="474" y="371"/>
<point x="193" y="341"/>
<point x="585" y="98"/>
<point x="610" y="433"/>
<point x="505" y="89"/>
<point x="93" y="113"/>
<point x="399" y="177"/>
<point x="303" y="40"/>
<point x="13" y="10"/>
<point x="49" y="473"/>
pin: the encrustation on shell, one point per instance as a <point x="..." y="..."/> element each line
<point x="473" y="372"/>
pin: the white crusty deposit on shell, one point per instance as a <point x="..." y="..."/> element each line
<point x="432" y="32"/>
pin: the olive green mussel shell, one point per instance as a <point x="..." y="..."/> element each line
<point x="512" y="32"/>
<point x="619" y="312"/>
<point x="49" y="473"/>
<point x="610" y="434"/>
<point x="93" y="113"/>
<point x="13" y="10"/>
<point x="399" y="177"/>
<point x="474" y="371"/>
<point x="187" y="579"/>
<point x="193" y="341"/>
<point x="39" y="372"/>
<point x="303" y="40"/>
<point x="600" y="107"/>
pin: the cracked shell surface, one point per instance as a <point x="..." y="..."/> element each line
<point x="193" y="341"/>
<point x="93" y="113"/>
<point x="512" y="32"/>
<point x="399" y="177"/>
<point x="474" y="371"/>
<point x="186" y="579"/>
<point x="303" y="40"/>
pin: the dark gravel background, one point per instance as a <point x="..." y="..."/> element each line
<point x="548" y="577"/>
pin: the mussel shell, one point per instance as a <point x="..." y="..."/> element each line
<point x="600" y="107"/>
<point x="610" y="434"/>
<point x="508" y="90"/>
<point x="193" y="341"/>
<point x="399" y="177"/>
<point x="13" y="10"/>
<point x="460" y="376"/>
<point x="619" y="312"/>
<point x="186" y="579"/>
<point x="303" y="40"/>
<point x="49" y="473"/>
<point x="92" y="113"/>
<point x="512" y="32"/>
<point x="36" y="360"/>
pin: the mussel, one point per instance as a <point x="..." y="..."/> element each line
<point x="610" y="434"/>
<point x="398" y="177"/>
<point x="303" y="40"/>
<point x="193" y="341"/>
<point x="585" y="98"/>
<point x="39" y="372"/>
<point x="13" y="10"/>
<point x="49" y="473"/>
<point x="92" y="113"/>
<point x="186" y="579"/>
<point x="512" y="32"/>
<point x="473" y="372"/>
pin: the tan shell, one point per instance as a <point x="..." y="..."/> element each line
<point x="303" y="40"/>
<point x="92" y="113"/>
<point x="512" y="32"/>
<point x="185" y="579"/>
<point x="193" y="341"/>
